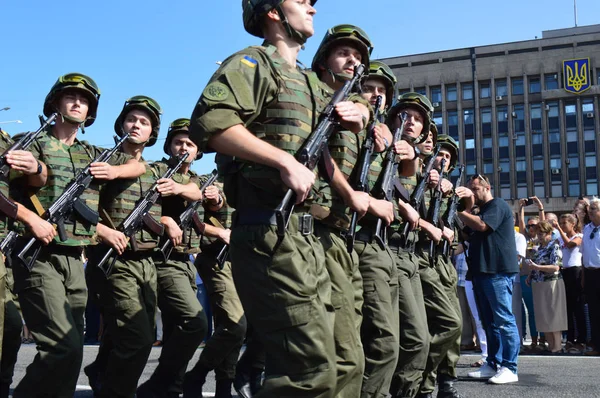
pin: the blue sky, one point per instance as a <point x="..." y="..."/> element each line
<point x="168" y="49"/>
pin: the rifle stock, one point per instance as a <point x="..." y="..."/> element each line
<point x="453" y="209"/>
<point x="435" y="219"/>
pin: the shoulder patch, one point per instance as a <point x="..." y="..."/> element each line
<point x="216" y="91"/>
<point x="249" y="61"/>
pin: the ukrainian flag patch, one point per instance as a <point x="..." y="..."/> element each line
<point x="249" y="61"/>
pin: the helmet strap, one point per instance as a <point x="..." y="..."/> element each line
<point x="292" y="33"/>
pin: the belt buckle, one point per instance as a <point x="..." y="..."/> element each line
<point x="305" y="224"/>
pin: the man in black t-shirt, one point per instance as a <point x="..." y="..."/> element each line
<point x="493" y="265"/>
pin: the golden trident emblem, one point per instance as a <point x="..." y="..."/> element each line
<point x="577" y="78"/>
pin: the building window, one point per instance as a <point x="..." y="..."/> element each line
<point x="467" y="91"/>
<point x="402" y="92"/>
<point x="488" y="146"/>
<point x="438" y="119"/>
<point x="518" y="115"/>
<point x="551" y="81"/>
<point x="484" y="90"/>
<point x="486" y="121"/>
<point x="468" y="115"/>
<point x="451" y="92"/>
<point x="501" y="89"/>
<point x="535" y="113"/>
<point x="453" y="124"/>
<point x="436" y="94"/>
<point x="517" y="86"/>
<point x="534" y="85"/>
<point x="421" y="90"/>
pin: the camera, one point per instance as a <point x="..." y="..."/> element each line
<point x="528" y="201"/>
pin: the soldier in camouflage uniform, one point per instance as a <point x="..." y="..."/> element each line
<point x="442" y="319"/>
<point x="446" y="371"/>
<point x="184" y="319"/>
<point x="127" y="296"/>
<point x="379" y="329"/>
<point x="223" y="347"/>
<point x="256" y="111"/>
<point x="53" y="294"/>
<point x="414" y="337"/>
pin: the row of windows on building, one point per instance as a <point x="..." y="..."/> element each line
<point x="518" y="85"/>
<point x="523" y="148"/>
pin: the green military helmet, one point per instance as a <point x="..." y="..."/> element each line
<point x="380" y="70"/>
<point x="146" y="104"/>
<point x="450" y="144"/>
<point x="254" y="10"/>
<point x="74" y="81"/>
<point x="339" y="34"/>
<point x="416" y="101"/>
<point x="178" y="126"/>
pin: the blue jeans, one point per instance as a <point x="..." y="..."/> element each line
<point x="493" y="293"/>
<point x="528" y="300"/>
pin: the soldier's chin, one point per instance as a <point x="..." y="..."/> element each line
<point x="135" y="140"/>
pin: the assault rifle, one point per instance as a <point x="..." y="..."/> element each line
<point x="435" y="218"/>
<point x="417" y="197"/>
<point x="389" y="173"/>
<point x="140" y="217"/>
<point x="311" y="150"/>
<point x="362" y="180"/>
<point x="189" y="218"/>
<point x="69" y="201"/>
<point x="7" y="206"/>
<point x="451" y="211"/>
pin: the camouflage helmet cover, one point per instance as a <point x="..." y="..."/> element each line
<point x="79" y="82"/>
<point x="416" y="101"/>
<point x="380" y="70"/>
<point x="146" y="104"/>
<point x="450" y="144"/>
<point x="254" y="10"/>
<point x="178" y="126"/>
<point x="341" y="34"/>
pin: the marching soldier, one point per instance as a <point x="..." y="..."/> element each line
<point x="379" y="329"/>
<point x="256" y="112"/>
<point x="127" y="295"/>
<point x="184" y="319"/>
<point x="223" y="347"/>
<point x="414" y="336"/>
<point x="53" y="294"/>
<point x="442" y="319"/>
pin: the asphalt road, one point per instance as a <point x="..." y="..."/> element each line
<point x="539" y="376"/>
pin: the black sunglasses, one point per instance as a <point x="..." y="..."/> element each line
<point x="593" y="233"/>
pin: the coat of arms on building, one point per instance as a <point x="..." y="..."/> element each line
<point x="577" y="75"/>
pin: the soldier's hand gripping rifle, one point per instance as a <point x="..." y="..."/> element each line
<point x="417" y="196"/>
<point x="451" y="221"/>
<point x="362" y="180"/>
<point x="310" y="152"/>
<point x="7" y="206"/>
<point x="189" y="218"/>
<point x="140" y="217"/>
<point x="68" y="202"/>
<point x="435" y="218"/>
<point x="388" y="174"/>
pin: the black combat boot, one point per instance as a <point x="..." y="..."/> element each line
<point x="223" y="389"/>
<point x="193" y="382"/>
<point x="446" y="388"/>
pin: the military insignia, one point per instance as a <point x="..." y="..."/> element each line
<point x="216" y="91"/>
<point x="576" y="74"/>
<point x="249" y="61"/>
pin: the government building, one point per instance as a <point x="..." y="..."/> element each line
<point x="525" y="113"/>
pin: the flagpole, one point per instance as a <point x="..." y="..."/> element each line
<point x="575" y="11"/>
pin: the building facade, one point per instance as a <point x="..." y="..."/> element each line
<point x="525" y="113"/>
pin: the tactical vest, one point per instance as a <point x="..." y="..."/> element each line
<point x="173" y="206"/>
<point x="286" y="122"/>
<point x="375" y="169"/>
<point x="64" y="163"/>
<point x="118" y="199"/>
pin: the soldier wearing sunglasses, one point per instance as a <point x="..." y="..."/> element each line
<point x="53" y="294"/>
<point x="128" y="294"/>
